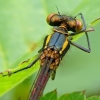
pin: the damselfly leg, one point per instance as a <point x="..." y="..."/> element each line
<point x="81" y="47"/>
<point x="27" y="67"/>
<point x="84" y="26"/>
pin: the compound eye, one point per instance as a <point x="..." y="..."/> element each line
<point x="54" y="19"/>
<point x="79" y="25"/>
<point x="49" y="18"/>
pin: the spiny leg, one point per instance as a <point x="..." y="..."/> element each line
<point x="29" y="66"/>
<point x="83" y="30"/>
<point x="81" y="47"/>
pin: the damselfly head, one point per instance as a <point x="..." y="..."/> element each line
<point x="71" y="24"/>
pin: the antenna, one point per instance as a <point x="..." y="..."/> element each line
<point x="57" y="10"/>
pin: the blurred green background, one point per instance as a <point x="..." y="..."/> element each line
<point x="22" y="30"/>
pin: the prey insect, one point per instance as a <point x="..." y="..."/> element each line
<point x="55" y="47"/>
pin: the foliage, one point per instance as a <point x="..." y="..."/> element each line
<point x="22" y="30"/>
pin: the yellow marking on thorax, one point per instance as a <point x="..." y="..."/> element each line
<point x="48" y="39"/>
<point x="64" y="46"/>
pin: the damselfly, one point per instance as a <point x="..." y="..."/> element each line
<point x="55" y="47"/>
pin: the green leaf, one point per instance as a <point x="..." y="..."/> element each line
<point x="73" y="96"/>
<point x="93" y="98"/>
<point x="50" y="96"/>
<point x="22" y="30"/>
<point x="10" y="81"/>
<point x="79" y="95"/>
<point x="96" y="21"/>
